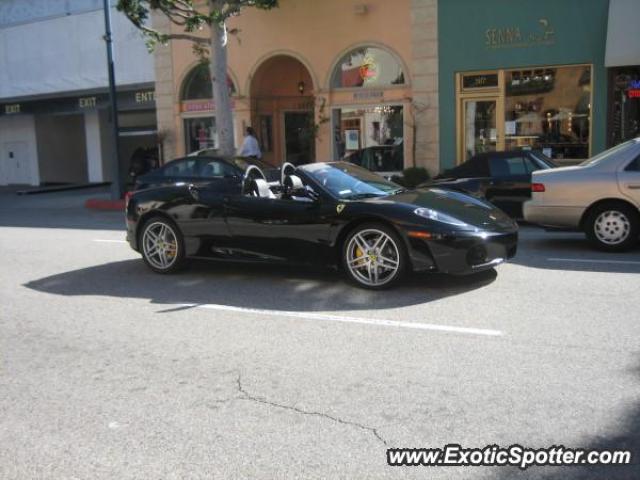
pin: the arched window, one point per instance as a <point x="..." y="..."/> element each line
<point x="197" y="84"/>
<point x="367" y="67"/>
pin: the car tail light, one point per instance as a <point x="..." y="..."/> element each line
<point x="127" y="197"/>
<point x="537" y="187"/>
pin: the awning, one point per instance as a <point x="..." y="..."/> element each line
<point x="623" y="34"/>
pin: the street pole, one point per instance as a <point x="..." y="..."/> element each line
<point x="116" y="183"/>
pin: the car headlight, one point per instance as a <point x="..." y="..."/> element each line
<point x="437" y="216"/>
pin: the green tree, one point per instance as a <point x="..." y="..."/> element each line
<point x="194" y="17"/>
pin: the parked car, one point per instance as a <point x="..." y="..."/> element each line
<point x="203" y="169"/>
<point x="322" y="213"/>
<point x="385" y="160"/>
<point x="600" y="197"/>
<point x="142" y="161"/>
<point x="503" y="178"/>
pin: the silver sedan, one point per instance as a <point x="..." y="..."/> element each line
<point x="600" y="197"/>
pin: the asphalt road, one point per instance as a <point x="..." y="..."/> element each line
<point x="110" y="371"/>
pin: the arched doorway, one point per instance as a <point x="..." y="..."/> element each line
<point x="282" y="110"/>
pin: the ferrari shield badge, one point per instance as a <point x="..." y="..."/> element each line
<point x="340" y="208"/>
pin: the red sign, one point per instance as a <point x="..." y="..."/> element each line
<point x="201" y="106"/>
<point x="634" y="93"/>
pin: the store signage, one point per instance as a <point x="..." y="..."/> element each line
<point x="127" y="101"/>
<point x="12" y="109"/>
<point x="145" y="97"/>
<point x="368" y="95"/>
<point x="87" y="102"/>
<point x="633" y="93"/>
<point x="517" y="37"/>
<point x="200" y="106"/>
<point x="203" y="106"/>
<point x="480" y="81"/>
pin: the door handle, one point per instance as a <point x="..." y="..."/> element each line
<point x="633" y="186"/>
<point x="193" y="191"/>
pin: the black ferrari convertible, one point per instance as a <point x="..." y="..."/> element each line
<point x="324" y="214"/>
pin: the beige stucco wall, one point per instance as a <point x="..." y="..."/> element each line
<point x="317" y="33"/>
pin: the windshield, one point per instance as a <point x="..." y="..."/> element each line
<point x="612" y="152"/>
<point x="349" y="182"/>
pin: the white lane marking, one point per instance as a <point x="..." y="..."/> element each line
<point x="100" y="240"/>
<point x="585" y="260"/>
<point x="363" y="321"/>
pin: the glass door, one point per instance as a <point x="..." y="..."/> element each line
<point x="479" y="125"/>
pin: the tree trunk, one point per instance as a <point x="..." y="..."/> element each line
<point x="221" y="97"/>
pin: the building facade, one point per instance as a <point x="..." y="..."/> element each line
<point x="316" y="80"/>
<point x="424" y="83"/>
<point x="523" y="74"/>
<point x="54" y="121"/>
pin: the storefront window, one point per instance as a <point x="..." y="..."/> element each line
<point x="367" y="67"/>
<point x="200" y="133"/>
<point x="372" y="137"/>
<point x="549" y="109"/>
<point x="197" y="84"/>
<point x="625" y="107"/>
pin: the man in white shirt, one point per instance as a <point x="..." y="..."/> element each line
<point x="250" y="146"/>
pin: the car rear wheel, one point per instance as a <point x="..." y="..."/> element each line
<point x="374" y="257"/>
<point x="162" y="245"/>
<point x="612" y="227"/>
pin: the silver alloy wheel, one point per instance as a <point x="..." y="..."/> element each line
<point x="373" y="257"/>
<point x="160" y="245"/>
<point x="612" y="227"/>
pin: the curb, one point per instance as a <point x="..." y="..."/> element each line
<point x="107" y="205"/>
<point x="61" y="188"/>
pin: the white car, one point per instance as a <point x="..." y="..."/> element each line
<point x="600" y="197"/>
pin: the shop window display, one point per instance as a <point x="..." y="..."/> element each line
<point x="200" y="133"/>
<point x="372" y="137"/>
<point x="549" y="109"/>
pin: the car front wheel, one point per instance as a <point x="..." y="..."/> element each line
<point x="374" y="257"/>
<point x="162" y="245"/>
<point x="613" y="227"/>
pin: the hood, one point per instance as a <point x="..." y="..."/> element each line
<point x="471" y="210"/>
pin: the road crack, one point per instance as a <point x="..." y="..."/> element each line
<point x="245" y="395"/>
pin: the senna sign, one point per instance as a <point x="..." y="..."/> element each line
<point x="517" y="37"/>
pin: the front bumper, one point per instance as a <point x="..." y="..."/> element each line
<point x="463" y="253"/>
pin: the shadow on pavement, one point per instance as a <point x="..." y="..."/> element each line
<point x="626" y="438"/>
<point x="538" y="248"/>
<point x="253" y="286"/>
